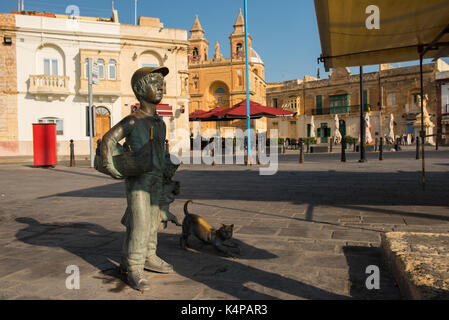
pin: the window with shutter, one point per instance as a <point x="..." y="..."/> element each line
<point x="319" y="102"/>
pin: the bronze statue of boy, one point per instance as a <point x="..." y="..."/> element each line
<point x="147" y="170"/>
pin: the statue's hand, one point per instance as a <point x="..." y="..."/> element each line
<point x="113" y="172"/>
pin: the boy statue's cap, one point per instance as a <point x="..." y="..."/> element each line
<point x="146" y="70"/>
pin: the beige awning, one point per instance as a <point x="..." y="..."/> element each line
<point x="404" y="25"/>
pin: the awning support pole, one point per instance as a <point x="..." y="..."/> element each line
<point x="362" y="120"/>
<point x="422" y="51"/>
<point x="248" y="111"/>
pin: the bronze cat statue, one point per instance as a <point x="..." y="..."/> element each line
<point x="198" y="227"/>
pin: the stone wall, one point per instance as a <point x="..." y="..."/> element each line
<point x="8" y="88"/>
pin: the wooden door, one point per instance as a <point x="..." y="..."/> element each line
<point x="103" y="124"/>
<point x="292" y="133"/>
<point x="324" y="133"/>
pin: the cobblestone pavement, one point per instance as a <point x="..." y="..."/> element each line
<point x="308" y="232"/>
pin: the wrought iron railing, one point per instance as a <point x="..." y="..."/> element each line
<point x="343" y="109"/>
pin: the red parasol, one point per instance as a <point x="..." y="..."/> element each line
<point x="257" y="110"/>
<point x="205" y="115"/>
<point x="238" y="111"/>
<point x="194" y="115"/>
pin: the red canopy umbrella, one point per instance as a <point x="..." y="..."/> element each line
<point x="238" y="111"/>
<point x="194" y="115"/>
<point x="205" y="115"/>
<point x="257" y="110"/>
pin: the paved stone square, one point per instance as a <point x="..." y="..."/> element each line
<point x="308" y="232"/>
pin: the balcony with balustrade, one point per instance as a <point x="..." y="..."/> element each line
<point x="412" y="108"/>
<point x="49" y="85"/>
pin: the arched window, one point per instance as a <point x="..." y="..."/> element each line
<point x="50" y="60"/>
<point x="100" y="63"/>
<point x="195" y="55"/>
<point x="102" y="111"/>
<point x="239" y="48"/>
<point x="112" y="70"/>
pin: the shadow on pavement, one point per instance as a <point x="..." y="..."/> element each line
<point x="101" y="248"/>
<point x="358" y="259"/>
<point x="358" y="190"/>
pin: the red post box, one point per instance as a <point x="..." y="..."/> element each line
<point x="44" y="144"/>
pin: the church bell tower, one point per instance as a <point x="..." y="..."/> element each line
<point x="198" y="45"/>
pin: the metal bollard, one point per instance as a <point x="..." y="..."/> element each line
<point x="436" y="142"/>
<point x="381" y="149"/>
<point x="330" y="144"/>
<point x="308" y="145"/>
<point x="301" y="151"/>
<point x="72" y="153"/>
<point x="396" y="142"/>
<point x="417" y="148"/>
<point x="375" y="144"/>
<point x="354" y="144"/>
<point x="343" y="150"/>
<point x="212" y="154"/>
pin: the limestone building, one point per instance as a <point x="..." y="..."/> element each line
<point x="388" y="91"/>
<point x="221" y="82"/>
<point x="45" y="77"/>
<point x="8" y="87"/>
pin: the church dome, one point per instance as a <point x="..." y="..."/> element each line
<point x="255" y="57"/>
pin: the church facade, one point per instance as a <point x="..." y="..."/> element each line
<point x="221" y="82"/>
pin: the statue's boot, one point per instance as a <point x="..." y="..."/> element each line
<point x="154" y="263"/>
<point x="137" y="281"/>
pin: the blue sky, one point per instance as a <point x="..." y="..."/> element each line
<point x="285" y="32"/>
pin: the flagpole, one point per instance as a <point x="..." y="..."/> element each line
<point x="248" y="111"/>
<point x="135" y="12"/>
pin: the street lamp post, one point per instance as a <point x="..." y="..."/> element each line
<point x="381" y="99"/>
<point x="362" y="120"/>
<point x="248" y="111"/>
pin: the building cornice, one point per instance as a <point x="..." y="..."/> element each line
<point x="121" y="39"/>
